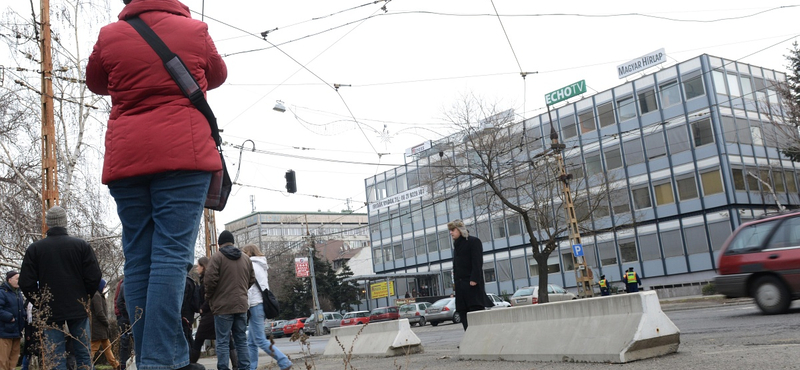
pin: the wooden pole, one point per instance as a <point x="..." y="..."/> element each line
<point x="49" y="142"/>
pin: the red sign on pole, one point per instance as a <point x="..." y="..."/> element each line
<point x="301" y="267"/>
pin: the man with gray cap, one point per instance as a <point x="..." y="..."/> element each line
<point x="61" y="272"/>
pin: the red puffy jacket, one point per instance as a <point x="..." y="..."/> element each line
<point x="153" y="128"/>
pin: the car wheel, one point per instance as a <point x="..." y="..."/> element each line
<point x="421" y="321"/>
<point x="771" y="295"/>
<point x="434" y="323"/>
<point x="456" y="318"/>
<point x="325" y="331"/>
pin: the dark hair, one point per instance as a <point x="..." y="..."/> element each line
<point x="126" y="2"/>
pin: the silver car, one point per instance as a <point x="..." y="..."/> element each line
<point x="442" y="310"/>
<point x="414" y="312"/>
<point x="530" y="295"/>
<point x="497" y="300"/>
<point x="330" y="320"/>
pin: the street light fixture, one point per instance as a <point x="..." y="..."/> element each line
<point x="279" y="106"/>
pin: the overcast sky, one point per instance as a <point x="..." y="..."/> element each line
<point x="406" y="65"/>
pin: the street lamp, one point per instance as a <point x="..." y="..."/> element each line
<point x="279" y="107"/>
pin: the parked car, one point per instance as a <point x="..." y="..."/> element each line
<point x="414" y="312"/>
<point x="530" y="295"/>
<point x="384" y="314"/>
<point x="355" y="318"/>
<point x="275" y="328"/>
<point x="497" y="300"/>
<point x="761" y="259"/>
<point x="294" y="325"/>
<point x="330" y="320"/>
<point x="442" y="310"/>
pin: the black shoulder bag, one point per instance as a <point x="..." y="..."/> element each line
<point x="220" y="186"/>
<point x="271" y="306"/>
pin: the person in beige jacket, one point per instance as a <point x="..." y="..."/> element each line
<point x="227" y="278"/>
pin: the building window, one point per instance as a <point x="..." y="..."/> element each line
<point x="607" y="254"/>
<point x="671" y="243"/>
<point x="743" y="129"/>
<point x="568" y="261"/>
<point x="733" y="84"/>
<point x="483" y="231"/>
<point x="695" y="239"/>
<point x="752" y="182"/>
<point x="633" y="152"/>
<point x="791" y="185"/>
<point x="498" y="229"/>
<point x="619" y="202"/>
<point x="702" y="133"/>
<point x="613" y="157"/>
<point x="648" y="245"/>
<point x="408" y="249"/>
<point x="419" y="243"/>
<point x="719" y="231"/>
<point x="433" y="246"/>
<point x="647" y="100"/>
<point x="777" y="179"/>
<point x="377" y="256"/>
<point x="388" y="252"/>
<point x="693" y="85"/>
<point x="678" y="139"/>
<point x="514" y="226"/>
<point x="447" y="278"/>
<point x="687" y="188"/>
<point x="654" y="144"/>
<point x="719" y="82"/>
<point x="670" y="93"/>
<point x="627" y="251"/>
<point x="712" y="183"/>
<point x="738" y="179"/>
<point x="574" y="166"/>
<point x="663" y="194"/>
<point x="587" y="121"/>
<point x="605" y="114"/>
<point x="489" y="275"/>
<point x="626" y="108"/>
<point x="445" y="241"/>
<point x="568" y="128"/>
<point x="641" y="198"/>
<point x="593" y="166"/>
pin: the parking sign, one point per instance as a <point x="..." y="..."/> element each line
<point x="577" y="250"/>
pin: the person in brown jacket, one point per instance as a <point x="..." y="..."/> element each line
<point x="227" y="279"/>
<point x="100" y="327"/>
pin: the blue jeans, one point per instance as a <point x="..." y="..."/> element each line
<point x="257" y="338"/>
<point x="81" y="346"/>
<point x="225" y="326"/>
<point x="160" y="217"/>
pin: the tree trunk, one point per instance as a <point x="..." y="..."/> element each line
<point x="541" y="264"/>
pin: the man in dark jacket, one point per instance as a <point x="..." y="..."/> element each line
<point x="12" y="320"/>
<point x="226" y="281"/>
<point x="61" y="272"/>
<point x="467" y="271"/>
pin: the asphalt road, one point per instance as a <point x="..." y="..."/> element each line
<point x="714" y="335"/>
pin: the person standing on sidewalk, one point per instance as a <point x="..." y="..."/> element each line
<point x="100" y="326"/>
<point x="205" y="328"/>
<point x="256" y="336"/>
<point x="66" y="268"/>
<point x="12" y="320"/>
<point x="603" y="286"/>
<point x="227" y="280"/>
<point x="467" y="271"/>
<point x="631" y="280"/>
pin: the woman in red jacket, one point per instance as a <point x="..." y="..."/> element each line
<point x="159" y="157"/>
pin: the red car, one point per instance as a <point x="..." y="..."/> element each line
<point x="355" y="318"/>
<point x="761" y="259"/>
<point x="294" y="325"/>
<point x="385" y="314"/>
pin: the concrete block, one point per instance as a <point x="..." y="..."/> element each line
<point x="616" y="329"/>
<point x="378" y="339"/>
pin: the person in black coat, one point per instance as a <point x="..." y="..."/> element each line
<point x="67" y="269"/>
<point x="470" y="290"/>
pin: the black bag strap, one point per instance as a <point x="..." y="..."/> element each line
<point x="177" y="69"/>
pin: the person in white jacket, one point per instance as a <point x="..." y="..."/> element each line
<point x="256" y="337"/>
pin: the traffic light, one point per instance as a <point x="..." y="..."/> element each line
<point x="291" y="184"/>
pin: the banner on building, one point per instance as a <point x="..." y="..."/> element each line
<point x="641" y="63"/>
<point x="301" y="267"/>
<point x="397" y="198"/>
<point x="381" y="290"/>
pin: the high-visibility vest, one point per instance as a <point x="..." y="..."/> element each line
<point x="631" y="276"/>
<point x="602" y="283"/>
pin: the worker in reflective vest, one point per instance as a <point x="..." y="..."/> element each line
<point x="603" y="285"/>
<point x="631" y="280"/>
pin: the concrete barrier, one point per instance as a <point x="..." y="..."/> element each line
<point x="378" y="339"/>
<point x="617" y="329"/>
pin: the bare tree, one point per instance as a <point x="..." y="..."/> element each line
<point x="495" y="162"/>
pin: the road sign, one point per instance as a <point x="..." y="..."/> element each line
<point x="577" y="250"/>
<point x="301" y="267"/>
<point x="565" y="92"/>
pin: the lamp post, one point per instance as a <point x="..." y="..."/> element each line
<point x="311" y="250"/>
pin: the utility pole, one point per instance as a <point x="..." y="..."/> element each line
<point x="211" y="231"/>
<point x="311" y="250"/>
<point x="49" y="144"/>
<point x="582" y="278"/>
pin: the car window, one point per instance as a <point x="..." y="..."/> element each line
<point x="523" y="292"/>
<point x="407" y="308"/>
<point x="337" y="316"/>
<point x="751" y="238"/>
<point x="363" y="314"/>
<point x="559" y="289"/>
<point x="786" y="235"/>
<point x="550" y="289"/>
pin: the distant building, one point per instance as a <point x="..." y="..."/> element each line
<point x="693" y="147"/>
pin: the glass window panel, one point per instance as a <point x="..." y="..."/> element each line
<point x="696" y="239"/>
<point x="498" y="228"/>
<point x="733" y="85"/>
<point x="670" y="94"/>
<point x="488" y="273"/>
<point x="758" y="138"/>
<point x="671" y="243"/>
<point x="738" y="179"/>
<point x="626" y="108"/>
<point x="408" y="249"/>
<point x="608" y="255"/>
<point x="687" y="188"/>
<point x="693" y="85"/>
<point x="743" y="129"/>
<point x="678" y="139"/>
<point x="654" y="144"/>
<point x="663" y="194"/>
<point x="433" y="245"/>
<point x="747" y="87"/>
<point x="587" y="121"/>
<point x="702" y="132"/>
<point x="791" y="185"/>
<point x="483" y="231"/>
<point x="787" y="234"/>
<point x="641" y="198"/>
<point x="519" y="267"/>
<point x="633" y="151"/>
<point x="568" y="128"/>
<point x="613" y="157"/>
<point x="605" y="114"/>
<point x="729" y="129"/>
<point x="647" y="100"/>
<point x="593" y="165"/>
<point x="712" y="184"/>
<point x="574" y="166"/>
<point x="445" y="241"/>
<point x="420" y="244"/>
<point x="777" y="179"/>
<point x="648" y="244"/>
<point x="752" y="182"/>
<point x="619" y="202"/>
<point x="718" y="232"/>
<point x="719" y="82"/>
<point x="627" y="251"/>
